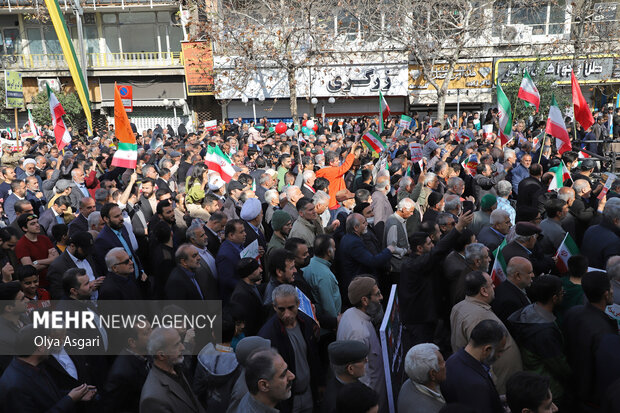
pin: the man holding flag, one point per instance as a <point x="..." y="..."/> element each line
<point x="334" y="172"/>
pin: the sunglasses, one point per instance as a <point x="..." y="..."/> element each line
<point x="127" y="261"/>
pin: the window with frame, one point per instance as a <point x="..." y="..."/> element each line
<point x="545" y="17"/>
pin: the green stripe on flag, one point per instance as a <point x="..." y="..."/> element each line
<point x="122" y="146"/>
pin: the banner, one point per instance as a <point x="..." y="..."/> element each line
<point x="591" y="69"/>
<point x="210" y="125"/>
<point x="198" y="63"/>
<point x="416" y="151"/>
<point x="610" y="180"/>
<point x="390" y="333"/>
<point x="404" y="122"/>
<point x="464" y="76"/>
<point x="14" y="88"/>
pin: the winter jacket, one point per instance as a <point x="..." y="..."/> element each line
<point x="324" y="289"/>
<point x="334" y="174"/>
<point x="542" y="345"/>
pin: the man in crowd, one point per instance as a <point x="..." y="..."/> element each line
<point x="426" y="370"/>
<point x="359" y="323"/>
<point x="228" y="257"/>
<point x="468" y="380"/>
<point x="472" y="310"/>
<point x="348" y="361"/>
<point x="292" y="333"/>
<point x="166" y="388"/>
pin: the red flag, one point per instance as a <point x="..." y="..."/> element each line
<point x="583" y="114"/>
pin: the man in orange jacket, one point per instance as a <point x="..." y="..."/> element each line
<point x="334" y="173"/>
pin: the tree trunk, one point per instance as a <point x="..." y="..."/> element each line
<point x="441" y="104"/>
<point x="442" y="93"/>
<point x="292" y="86"/>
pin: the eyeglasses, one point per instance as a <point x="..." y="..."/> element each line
<point x="127" y="261"/>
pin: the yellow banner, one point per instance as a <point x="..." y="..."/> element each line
<point x="64" y="39"/>
<point x="464" y="76"/>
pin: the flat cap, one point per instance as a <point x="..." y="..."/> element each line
<point x="360" y="287"/>
<point x="527" y="229"/>
<point x="343" y="352"/>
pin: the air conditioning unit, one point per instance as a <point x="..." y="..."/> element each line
<point x="515" y="34"/>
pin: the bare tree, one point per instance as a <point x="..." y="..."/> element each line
<point x="431" y="32"/>
<point x="268" y="43"/>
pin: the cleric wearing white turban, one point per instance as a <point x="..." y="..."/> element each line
<point x="251" y="210"/>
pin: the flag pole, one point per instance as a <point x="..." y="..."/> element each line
<point x="16" y="127"/>
<point x="542" y="147"/>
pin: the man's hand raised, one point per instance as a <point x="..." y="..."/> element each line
<point x="464" y="220"/>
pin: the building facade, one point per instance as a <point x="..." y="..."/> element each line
<point x="131" y="42"/>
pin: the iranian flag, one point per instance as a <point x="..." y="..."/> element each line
<point x="498" y="273"/>
<point x="127" y="154"/>
<point x="219" y="162"/>
<point x="561" y="175"/>
<point x="528" y="91"/>
<point x="63" y="137"/>
<point x="33" y="126"/>
<point x="567" y="249"/>
<point x="557" y="128"/>
<point x="583" y="155"/>
<point x="373" y="141"/>
<point x="384" y="110"/>
<point x="505" y="116"/>
<point x="536" y="140"/>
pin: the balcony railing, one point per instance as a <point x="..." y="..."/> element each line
<point x="94" y="60"/>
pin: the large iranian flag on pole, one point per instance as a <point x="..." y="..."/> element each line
<point x="374" y="142"/>
<point x="498" y="273"/>
<point x="219" y="162"/>
<point x="127" y="154"/>
<point x="505" y="115"/>
<point x="567" y="249"/>
<point x="528" y="91"/>
<point x="62" y="135"/>
<point x="384" y="110"/>
<point x="557" y="128"/>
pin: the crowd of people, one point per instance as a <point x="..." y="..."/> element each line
<point x="336" y="224"/>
